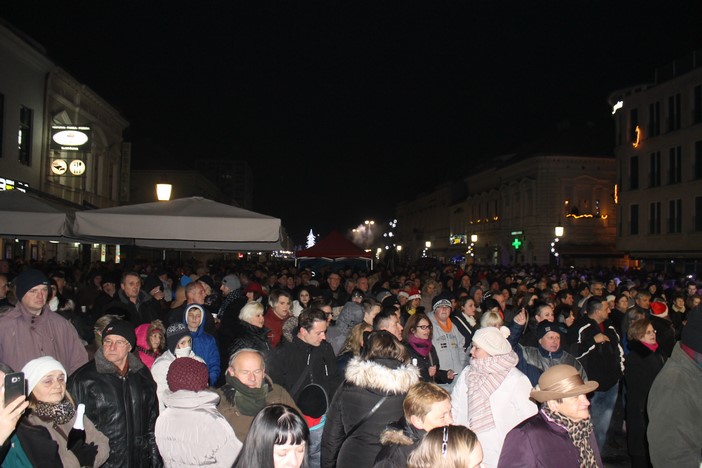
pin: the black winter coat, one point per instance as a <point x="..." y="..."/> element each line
<point x="123" y="408"/>
<point x="251" y="337"/>
<point x="603" y="362"/>
<point x="642" y="367"/>
<point x="290" y="360"/>
<point x="398" y="441"/>
<point x="366" y="383"/>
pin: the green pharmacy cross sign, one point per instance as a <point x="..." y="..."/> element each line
<point x="516" y="243"/>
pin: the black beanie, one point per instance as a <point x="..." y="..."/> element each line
<point x="120" y="328"/>
<point x="174" y="334"/>
<point x="27" y="280"/>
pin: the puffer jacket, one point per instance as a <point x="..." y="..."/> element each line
<point x="191" y="432"/>
<point x="542" y="360"/>
<point x="123" y="408"/>
<point x="142" y="333"/>
<point x="398" y="441"/>
<point x="205" y="346"/>
<point x="60" y="432"/>
<point x="251" y="337"/>
<point x="366" y="383"/>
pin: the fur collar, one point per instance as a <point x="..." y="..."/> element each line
<point x="401" y="433"/>
<point x="372" y="375"/>
<point x="103" y="366"/>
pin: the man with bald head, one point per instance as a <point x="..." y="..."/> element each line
<point x="247" y="390"/>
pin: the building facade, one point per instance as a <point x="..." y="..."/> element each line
<point x="513" y="208"/>
<point x="658" y="149"/>
<point x="58" y="139"/>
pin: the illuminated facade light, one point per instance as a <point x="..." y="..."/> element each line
<point x="616" y="194"/>
<point x="585" y="215"/>
<point x="638" y="137"/>
<point x="617" y="106"/>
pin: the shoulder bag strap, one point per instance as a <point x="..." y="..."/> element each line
<point x="365" y="418"/>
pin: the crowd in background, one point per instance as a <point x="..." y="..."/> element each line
<point x="334" y="354"/>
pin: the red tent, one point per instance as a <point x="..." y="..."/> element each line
<point x="334" y="247"/>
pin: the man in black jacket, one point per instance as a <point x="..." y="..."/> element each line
<point x="307" y="359"/>
<point x="600" y="353"/>
<point x="120" y="398"/>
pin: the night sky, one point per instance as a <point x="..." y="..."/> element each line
<point x="344" y="108"/>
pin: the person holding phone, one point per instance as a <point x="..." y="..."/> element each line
<point x="22" y="444"/>
<point x="53" y="408"/>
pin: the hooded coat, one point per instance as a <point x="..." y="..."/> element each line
<point x="159" y="371"/>
<point x="398" y="441"/>
<point x="366" y="383"/>
<point x="191" y="432"/>
<point x="350" y="316"/>
<point x="205" y="346"/>
<point x="142" y="333"/>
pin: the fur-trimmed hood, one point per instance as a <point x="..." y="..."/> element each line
<point x="376" y="376"/>
<point x="401" y="433"/>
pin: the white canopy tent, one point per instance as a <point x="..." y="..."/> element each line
<point x="194" y="223"/>
<point x="28" y="216"/>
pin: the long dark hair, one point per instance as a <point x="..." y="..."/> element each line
<point x="273" y="425"/>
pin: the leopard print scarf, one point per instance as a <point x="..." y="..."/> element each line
<point x="60" y="413"/>
<point x="579" y="433"/>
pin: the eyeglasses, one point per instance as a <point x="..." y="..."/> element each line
<point x="425" y="327"/>
<point x="650" y="332"/>
<point x="118" y="343"/>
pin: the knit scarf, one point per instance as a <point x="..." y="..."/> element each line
<point x="653" y="347"/>
<point x="579" y="433"/>
<point x="448" y="327"/>
<point x="249" y="401"/>
<point x="231" y="297"/>
<point x="483" y="378"/>
<point x="422" y="346"/>
<point x="60" y="413"/>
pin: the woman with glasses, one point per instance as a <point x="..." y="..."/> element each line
<point x="643" y="363"/>
<point x="416" y="337"/>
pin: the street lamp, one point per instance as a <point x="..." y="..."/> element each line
<point x="427" y="244"/>
<point x="163" y="192"/>
<point x="559" y="231"/>
<point x="474" y="238"/>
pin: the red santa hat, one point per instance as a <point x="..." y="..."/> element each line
<point x="414" y="294"/>
<point x="659" y="309"/>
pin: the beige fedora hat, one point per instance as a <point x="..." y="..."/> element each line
<point x="561" y="381"/>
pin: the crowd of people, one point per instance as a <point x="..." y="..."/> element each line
<point x="242" y="364"/>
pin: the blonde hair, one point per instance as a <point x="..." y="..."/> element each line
<point x="354" y="340"/>
<point x="460" y="443"/>
<point x="491" y="318"/>
<point x="250" y="310"/>
<point x="420" y="398"/>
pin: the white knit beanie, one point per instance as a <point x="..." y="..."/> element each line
<point x="492" y="340"/>
<point x="37" y="368"/>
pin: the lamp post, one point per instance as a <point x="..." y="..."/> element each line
<point x="558" y="231"/>
<point x="163" y="192"/>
